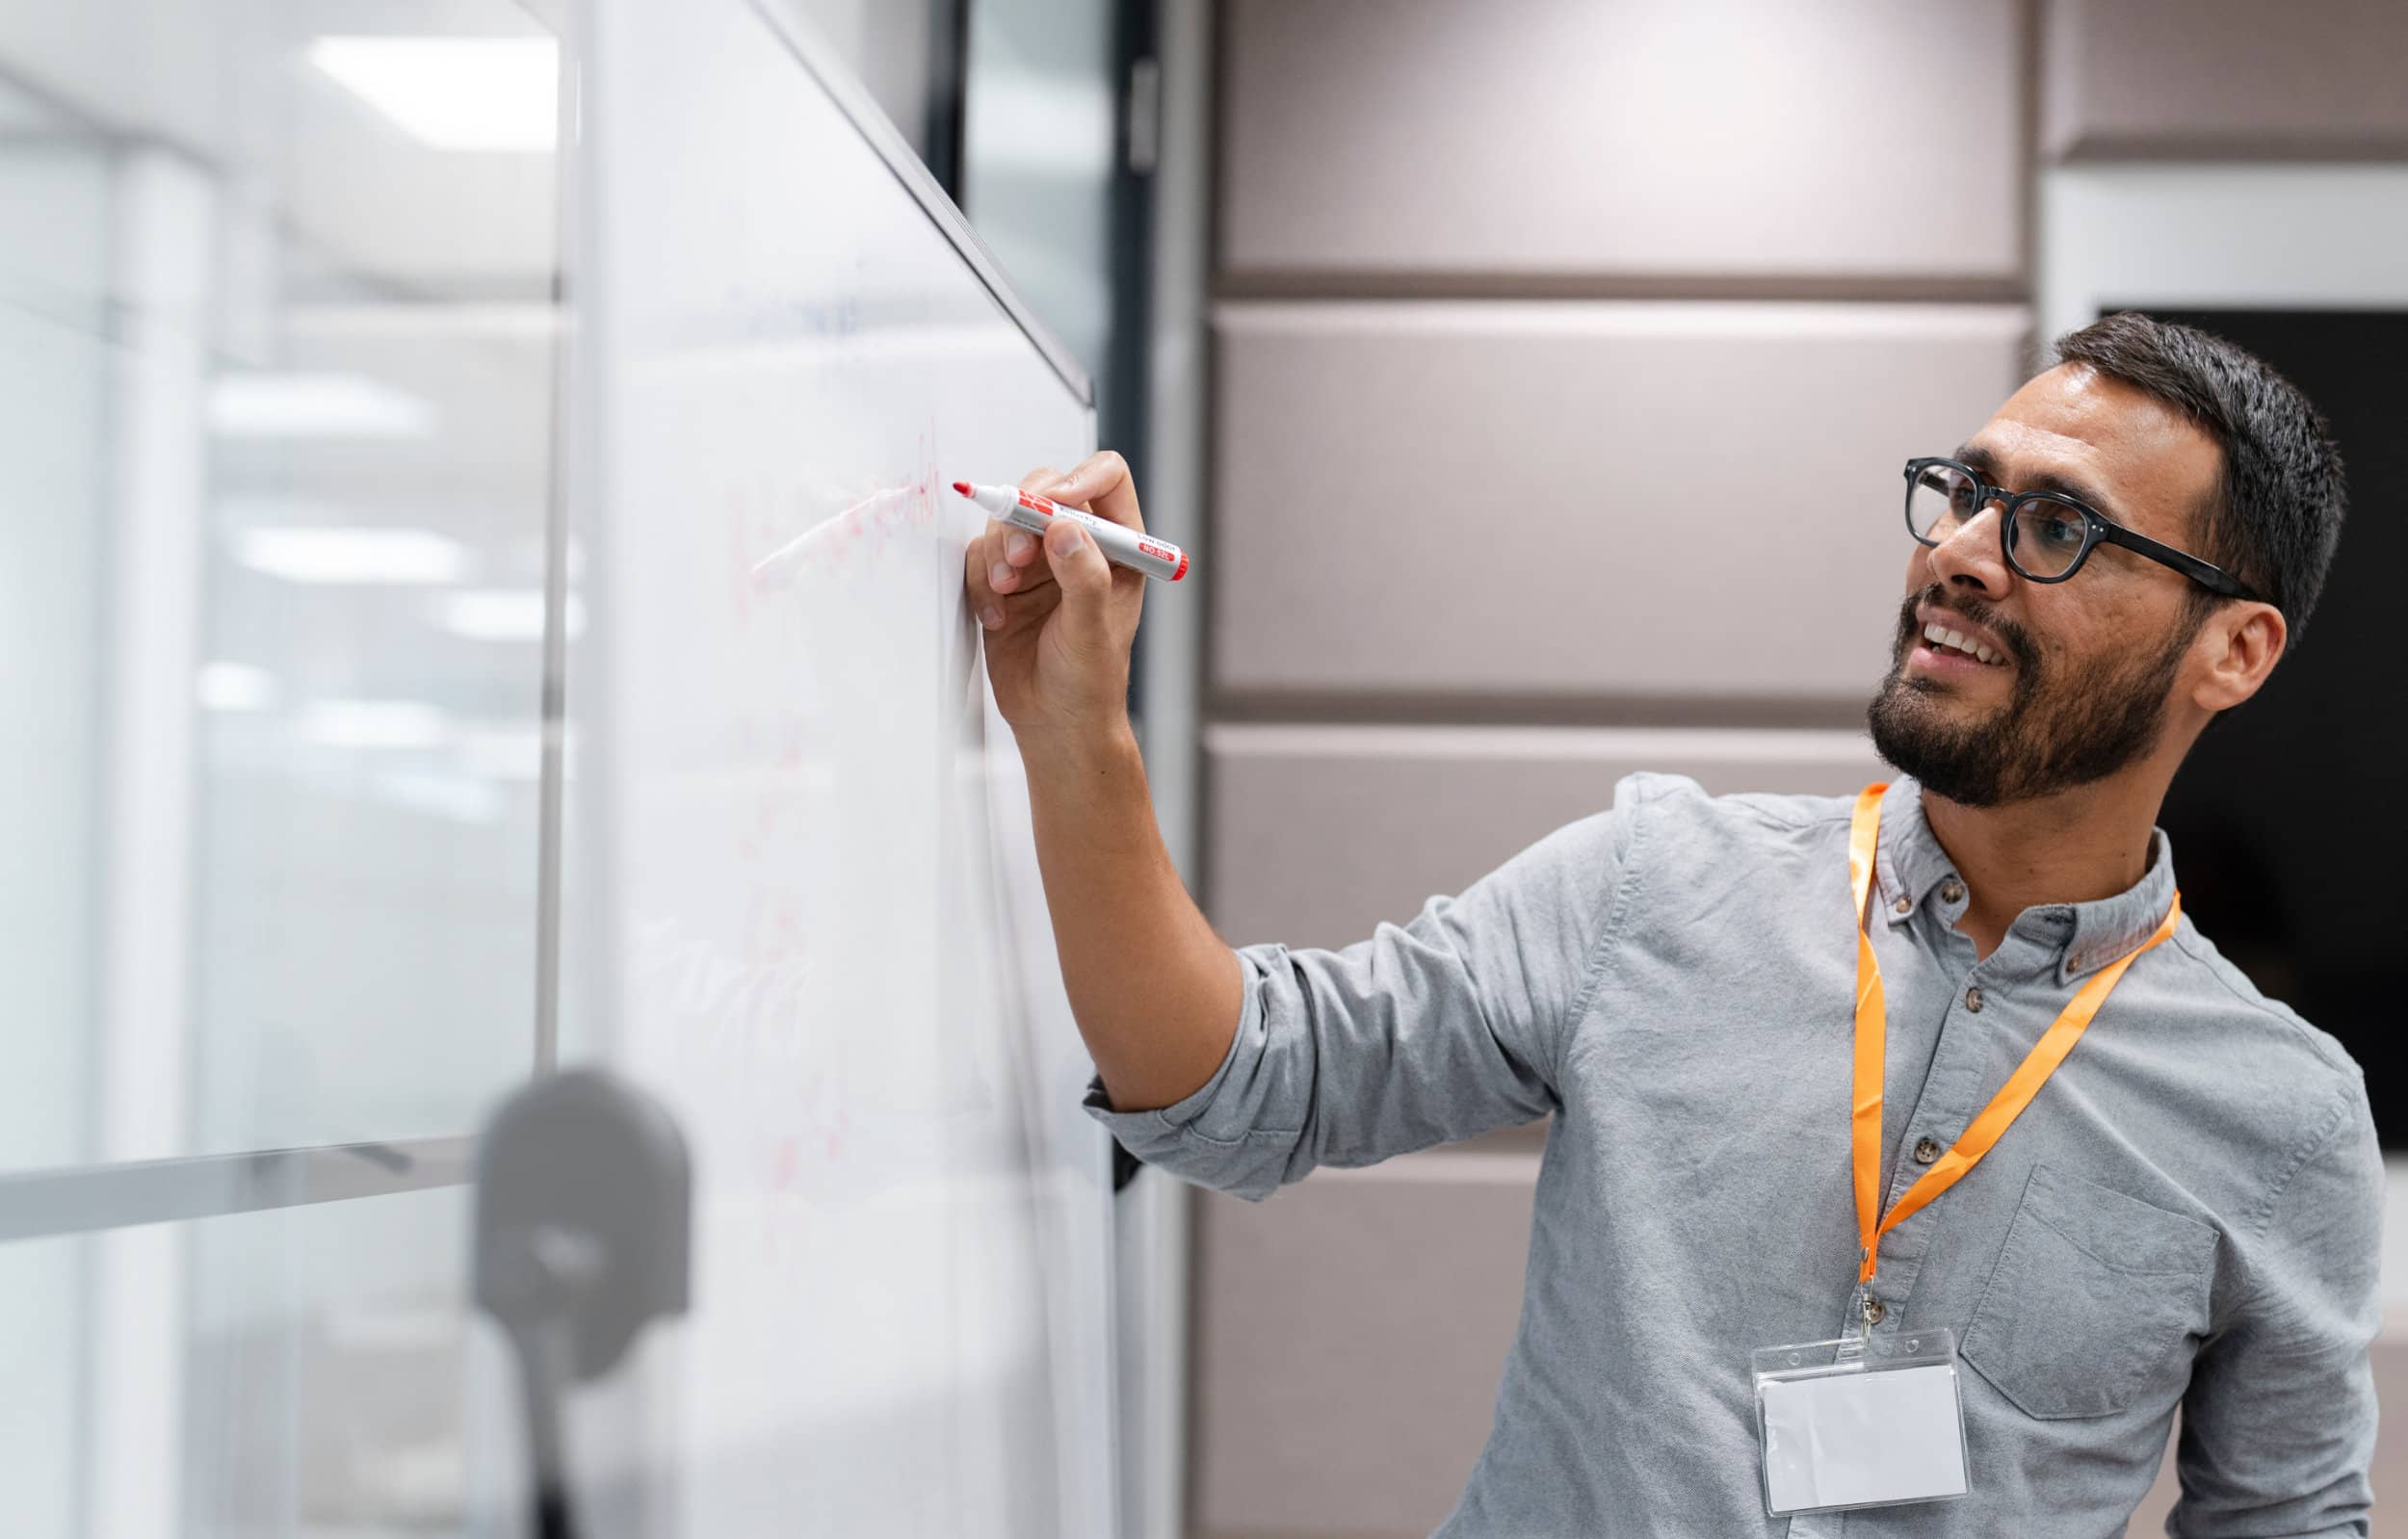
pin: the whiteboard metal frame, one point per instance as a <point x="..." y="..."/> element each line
<point x="820" y="61"/>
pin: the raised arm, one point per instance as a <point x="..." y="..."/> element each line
<point x="1154" y="989"/>
<point x="1245" y="1069"/>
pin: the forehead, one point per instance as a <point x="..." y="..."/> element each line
<point x="2146" y="465"/>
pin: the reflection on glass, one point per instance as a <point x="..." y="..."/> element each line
<point x="276" y="461"/>
<point x="277" y="337"/>
<point x="313" y="1380"/>
<point x="1041" y="144"/>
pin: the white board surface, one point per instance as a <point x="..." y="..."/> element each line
<point x="806" y="900"/>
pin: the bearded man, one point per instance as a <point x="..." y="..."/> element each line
<point x="1848" y="1093"/>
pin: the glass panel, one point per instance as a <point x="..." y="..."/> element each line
<point x="275" y="439"/>
<point x="54" y="398"/>
<point x="304" y="1371"/>
<point x="1039" y="156"/>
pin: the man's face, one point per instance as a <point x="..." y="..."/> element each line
<point x="2083" y="671"/>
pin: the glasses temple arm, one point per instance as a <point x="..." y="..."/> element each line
<point x="2189" y="566"/>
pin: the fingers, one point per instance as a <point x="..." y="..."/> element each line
<point x="980" y="595"/>
<point x="1085" y="580"/>
<point x="1004" y="561"/>
<point x="1102" y="485"/>
<point x="1009" y="559"/>
<point x="1009" y="555"/>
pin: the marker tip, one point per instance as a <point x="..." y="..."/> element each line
<point x="963" y="486"/>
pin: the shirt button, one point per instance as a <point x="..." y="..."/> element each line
<point x="1952" y="890"/>
<point x="1972" y="1000"/>
<point x="1874" y="1310"/>
<point x="1903" y="903"/>
<point x="1926" y="1150"/>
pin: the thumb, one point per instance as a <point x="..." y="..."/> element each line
<point x="1085" y="576"/>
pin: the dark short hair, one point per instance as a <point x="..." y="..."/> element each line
<point x="2277" y="516"/>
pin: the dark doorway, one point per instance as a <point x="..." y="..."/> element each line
<point x="2286" y="822"/>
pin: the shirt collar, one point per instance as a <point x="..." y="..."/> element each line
<point x="1911" y="864"/>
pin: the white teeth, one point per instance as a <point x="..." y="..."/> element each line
<point x="1941" y="635"/>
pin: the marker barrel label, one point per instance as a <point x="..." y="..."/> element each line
<point x="1126" y="547"/>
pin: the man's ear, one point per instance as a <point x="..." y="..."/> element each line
<point x="2242" y="642"/>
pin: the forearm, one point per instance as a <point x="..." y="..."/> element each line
<point x="1155" y="991"/>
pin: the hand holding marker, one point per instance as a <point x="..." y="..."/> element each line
<point x="1123" y="546"/>
<point x="1059" y="617"/>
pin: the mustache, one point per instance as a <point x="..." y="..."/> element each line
<point x="2014" y="637"/>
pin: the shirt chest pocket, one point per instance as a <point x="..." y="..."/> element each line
<point x="2096" y="1300"/>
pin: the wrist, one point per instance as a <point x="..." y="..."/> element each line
<point x="1103" y="747"/>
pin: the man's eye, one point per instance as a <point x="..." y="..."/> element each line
<point x="2051" y="528"/>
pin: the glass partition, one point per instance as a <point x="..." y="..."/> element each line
<point x="278" y="287"/>
<point x="278" y="360"/>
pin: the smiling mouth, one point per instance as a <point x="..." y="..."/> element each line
<point x="1948" y="643"/>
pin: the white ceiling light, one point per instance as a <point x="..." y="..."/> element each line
<point x="400" y="555"/>
<point x="314" y="405"/>
<point x="504" y="614"/>
<point x="468" y="94"/>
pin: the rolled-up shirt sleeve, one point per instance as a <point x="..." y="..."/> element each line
<point x="2278" y="1424"/>
<point x="1434" y="1029"/>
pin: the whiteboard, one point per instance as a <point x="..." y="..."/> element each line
<point x="803" y="900"/>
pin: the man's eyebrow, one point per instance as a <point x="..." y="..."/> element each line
<point x="1975" y="458"/>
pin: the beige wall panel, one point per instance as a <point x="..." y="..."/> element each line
<point x="1731" y="138"/>
<point x="1349" y="1337"/>
<point x="1319" y="833"/>
<point x="1580" y="498"/>
<point x="2225" y="78"/>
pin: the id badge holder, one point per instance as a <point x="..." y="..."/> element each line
<point x="1860" y="1424"/>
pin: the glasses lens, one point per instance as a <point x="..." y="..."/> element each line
<point x="1939" y="499"/>
<point x="2045" y="537"/>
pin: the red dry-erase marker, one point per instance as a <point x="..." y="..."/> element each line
<point x="1119" y="543"/>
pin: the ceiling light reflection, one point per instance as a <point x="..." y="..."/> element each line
<point x="233" y="687"/>
<point x="504" y="614"/>
<point x="453" y="93"/>
<point x="397" y="556"/>
<point x="314" y="405"/>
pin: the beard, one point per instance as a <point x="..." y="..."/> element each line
<point x="2066" y="724"/>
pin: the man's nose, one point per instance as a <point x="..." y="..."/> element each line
<point x="1973" y="555"/>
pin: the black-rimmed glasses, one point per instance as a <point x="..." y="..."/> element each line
<point x="2047" y="534"/>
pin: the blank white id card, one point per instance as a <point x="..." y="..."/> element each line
<point x="1851" y="1423"/>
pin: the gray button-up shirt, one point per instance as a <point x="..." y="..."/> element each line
<point x="2187" y="1216"/>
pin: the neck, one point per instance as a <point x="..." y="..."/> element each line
<point x="2073" y="846"/>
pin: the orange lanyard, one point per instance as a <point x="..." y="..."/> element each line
<point x="1871" y="1041"/>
